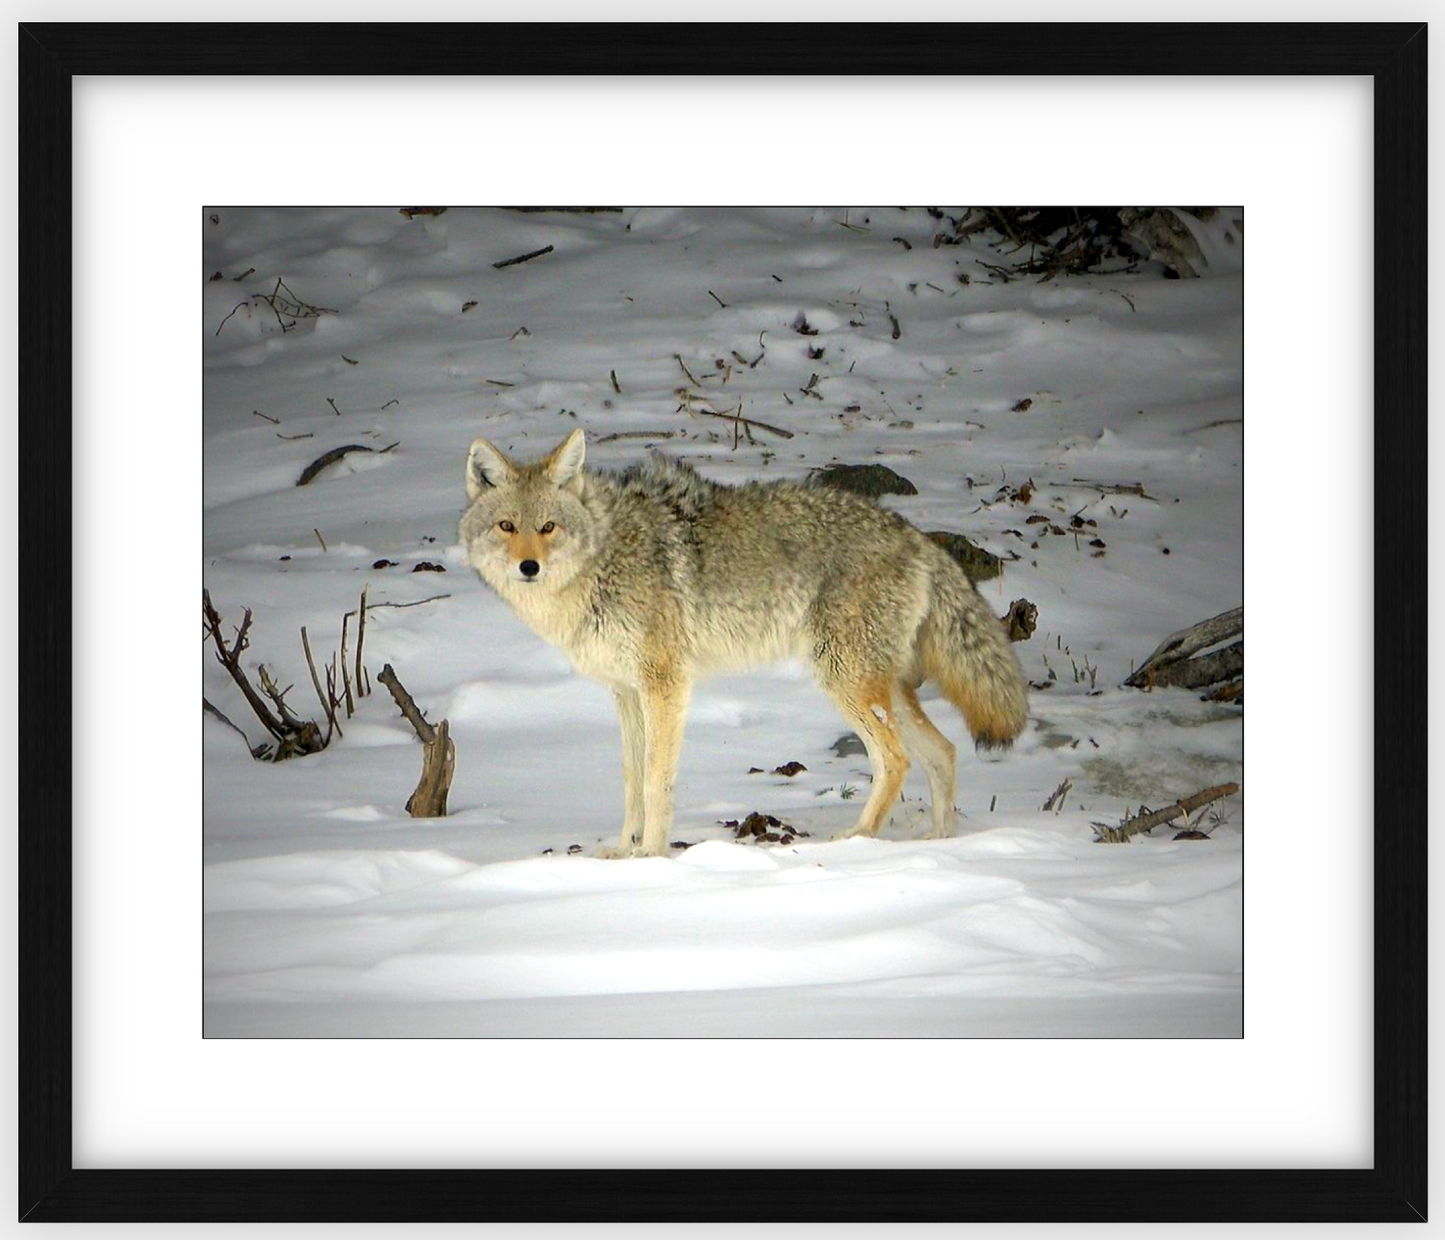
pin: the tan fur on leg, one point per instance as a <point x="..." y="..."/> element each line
<point x="928" y="745"/>
<point x="634" y="768"/>
<point x="664" y="712"/>
<point x="870" y="709"/>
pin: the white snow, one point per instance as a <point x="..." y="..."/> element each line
<point x="329" y="912"/>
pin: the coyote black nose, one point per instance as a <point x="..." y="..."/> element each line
<point x="530" y="568"/>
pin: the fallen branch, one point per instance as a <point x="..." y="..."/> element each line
<point x="292" y="735"/>
<point x="330" y="458"/>
<point x="634" y="435"/>
<point x="1147" y="820"/>
<point x="439" y="756"/>
<point x="523" y="258"/>
<point x="737" y="418"/>
<point x="373" y="606"/>
<point x="691" y="378"/>
<point x="1109" y="488"/>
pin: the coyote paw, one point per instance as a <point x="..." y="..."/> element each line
<point x="853" y="832"/>
<point x="615" y="852"/>
<point x="938" y="833"/>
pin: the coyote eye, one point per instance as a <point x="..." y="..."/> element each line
<point x="548" y="528"/>
<point x="506" y="527"/>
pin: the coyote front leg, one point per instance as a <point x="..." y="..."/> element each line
<point x="664" y="712"/>
<point x="634" y="766"/>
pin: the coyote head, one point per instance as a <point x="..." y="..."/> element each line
<point x="527" y="526"/>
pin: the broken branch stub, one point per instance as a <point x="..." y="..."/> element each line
<point x="439" y="755"/>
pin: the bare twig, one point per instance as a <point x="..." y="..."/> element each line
<point x="274" y="421"/>
<point x="406" y="704"/>
<point x="1058" y="796"/>
<point x="748" y="422"/>
<point x="1110" y="488"/>
<point x="373" y="606"/>
<point x="292" y="735"/>
<point x="360" y="640"/>
<point x="1147" y="821"/>
<point x="522" y="258"/>
<point x="634" y="435"/>
<point x="319" y="539"/>
<point x="690" y="377"/>
<point x="329" y="458"/>
<point x="211" y="710"/>
<point x="345" y="672"/>
<point x="327" y="704"/>
<point x="227" y="319"/>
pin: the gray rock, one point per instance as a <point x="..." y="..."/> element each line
<point x="980" y="565"/>
<point x="870" y="480"/>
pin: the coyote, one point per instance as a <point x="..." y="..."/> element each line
<point x="654" y="577"/>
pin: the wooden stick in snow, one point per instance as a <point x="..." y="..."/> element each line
<point x="522" y="258"/>
<point x="360" y="639"/>
<point x="439" y="756"/>
<point x="1180" y="809"/>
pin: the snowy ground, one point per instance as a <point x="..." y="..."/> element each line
<point x="330" y="912"/>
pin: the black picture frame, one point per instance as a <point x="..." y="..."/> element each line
<point x="1393" y="1189"/>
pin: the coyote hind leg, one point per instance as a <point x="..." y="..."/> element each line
<point x="868" y="705"/>
<point x="923" y="741"/>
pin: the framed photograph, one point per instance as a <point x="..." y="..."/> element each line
<point x="597" y="599"/>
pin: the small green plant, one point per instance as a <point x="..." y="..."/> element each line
<point x="847" y="792"/>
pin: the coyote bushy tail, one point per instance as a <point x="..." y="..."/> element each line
<point x="964" y="649"/>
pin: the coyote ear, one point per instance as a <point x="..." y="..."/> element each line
<point x="564" y="462"/>
<point x="486" y="467"/>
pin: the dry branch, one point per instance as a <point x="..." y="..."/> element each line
<point x="522" y="258"/>
<point x="1058" y="797"/>
<point x="634" y="435"/>
<point x="438" y="758"/>
<point x="292" y="735"/>
<point x="327" y="700"/>
<point x="360" y="640"/>
<point x="738" y="419"/>
<point x="330" y="458"/>
<point x="1147" y="820"/>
